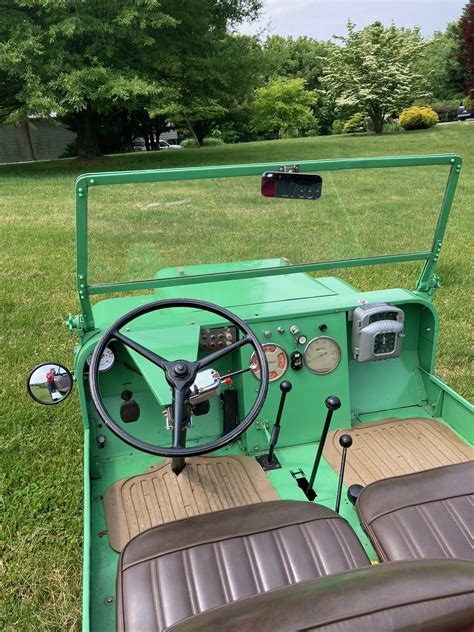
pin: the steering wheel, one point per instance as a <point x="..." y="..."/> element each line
<point x="180" y="375"/>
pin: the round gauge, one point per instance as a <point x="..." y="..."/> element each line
<point x="277" y="362"/>
<point x="322" y="355"/>
<point x="107" y="360"/>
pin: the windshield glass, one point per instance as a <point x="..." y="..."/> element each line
<point x="141" y="231"/>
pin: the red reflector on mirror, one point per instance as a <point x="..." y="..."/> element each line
<point x="268" y="187"/>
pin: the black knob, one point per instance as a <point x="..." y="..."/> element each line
<point x="180" y="370"/>
<point x="345" y="441"/>
<point x="285" y="387"/>
<point x="333" y="402"/>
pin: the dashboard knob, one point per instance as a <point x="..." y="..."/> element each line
<point x="295" y="330"/>
<point x="286" y="386"/>
<point x="333" y="402"/>
<point x="345" y="441"/>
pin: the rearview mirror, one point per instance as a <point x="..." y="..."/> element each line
<point x="49" y="383"/>
<point x="291" y="185"/>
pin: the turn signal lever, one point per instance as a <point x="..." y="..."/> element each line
<point x="269" y="461"/>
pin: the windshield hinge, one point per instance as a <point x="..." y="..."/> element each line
<point x="76" y="322"/>
<point x="430" y="286"/>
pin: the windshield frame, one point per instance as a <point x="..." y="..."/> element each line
<point x="427" y="281"/>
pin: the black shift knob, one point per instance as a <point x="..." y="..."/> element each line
<point x="285" y="387"/>
<point x="333" y="402"/>
<point x="345" y="441"/>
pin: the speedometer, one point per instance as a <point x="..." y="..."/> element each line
<point x="322" y="355"/>
<point x="107" y="360"/>
<point x="277" y="362"/>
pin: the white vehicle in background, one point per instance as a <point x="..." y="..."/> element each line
<point x="165" y="145"/>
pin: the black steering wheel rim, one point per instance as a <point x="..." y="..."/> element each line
<point x="114" y="331"/>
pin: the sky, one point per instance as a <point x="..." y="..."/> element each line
<point x="321" y="19"/>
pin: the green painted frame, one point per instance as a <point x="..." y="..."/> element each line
<point x="427" y="282"/>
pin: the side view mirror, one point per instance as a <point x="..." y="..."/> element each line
<point x="49" y="383"/>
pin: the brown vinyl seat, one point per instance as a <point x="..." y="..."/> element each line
<point x="423" y="515"/>
<point x="414" y="596"/>
<point x="184" y="568"/>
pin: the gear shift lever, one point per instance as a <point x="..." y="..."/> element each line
<point x="269" y="461"/>
<point x="332" y="403"/>
<point x="345" y="441"/>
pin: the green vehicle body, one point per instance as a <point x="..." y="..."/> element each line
<point x="267" y="294"/>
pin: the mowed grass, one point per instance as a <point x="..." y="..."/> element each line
<point x="42" y="456"/>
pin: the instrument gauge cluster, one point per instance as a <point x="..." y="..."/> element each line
<point x="322" y="355"/>
<point x="277" y="359"/>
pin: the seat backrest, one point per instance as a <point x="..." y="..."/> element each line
<point x="435" y="595"/>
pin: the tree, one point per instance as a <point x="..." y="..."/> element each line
<point x="283" y="107"/>
<point x="300" y="58"/>
<point x="373" y="71"/>
<point x="85" y="59"/>
<point x="215" y="69"/>
<point x="466" y="25"/>
<point x="441" y="66"/>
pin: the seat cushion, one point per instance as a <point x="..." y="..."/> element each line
<point x="424" y="515"/>
<point x="183" y="568"/>
<point x="421" y="595"/>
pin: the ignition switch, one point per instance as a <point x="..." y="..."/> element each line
<point x="296" y="360"/>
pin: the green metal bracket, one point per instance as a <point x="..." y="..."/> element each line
<point x="426" y="284"/>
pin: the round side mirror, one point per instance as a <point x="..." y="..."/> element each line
<point x="49" y="383"/>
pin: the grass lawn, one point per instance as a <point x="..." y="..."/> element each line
<point x="42" y="457"/>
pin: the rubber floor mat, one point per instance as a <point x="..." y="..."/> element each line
<point x="393" y="447"/>
<point x="206" y="484"/>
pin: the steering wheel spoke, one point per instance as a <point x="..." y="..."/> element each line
<point x="179" y="399"/>
<point x="212" y="357"/>
<point x="136" y="346"/>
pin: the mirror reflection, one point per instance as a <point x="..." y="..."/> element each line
<point x="49" y="383"/>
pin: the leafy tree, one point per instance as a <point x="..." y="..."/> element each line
<point x="88" y="58"/>
<point x="374" y="72"/>
<point x="282" y="107"/>
<point x="214" y="79"/>
<point x="441" y="66"/>
<point x="466" y="56"/>
<point x="300" y="58"/>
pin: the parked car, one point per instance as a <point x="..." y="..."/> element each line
<point x="139" y="144"/>
<point x="463" y="113"/>
<point x="165" y="145"/>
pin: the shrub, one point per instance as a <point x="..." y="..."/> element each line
<point x="446" y="111"/>
<point x="418" y="118"/>
<point x="356" y="123"/>
<point x="337" y="126"/>
<point x="392" y="127"/>
<point x="469" y="101"/>
<point x="188" y="142"/>
<point x="212" y="141"/>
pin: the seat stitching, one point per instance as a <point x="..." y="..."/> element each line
<point x="284" y="557"/>
<point x="253" y="564"/>
<point x="405" y="536"/>
<point x="189" y="579"/>
<point x="333" y="528"/>
<point x="408" y="506"/>
<point x="224" y="538"/>
<point x="435" y="530"/>
<point x="463" y="527"/>
<point x="223" y="574"/>
<point x="367" y="613"/>
<point x="156" y="592"/>
<point x="347" y="550"/>
<point x="320" y="568"/>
